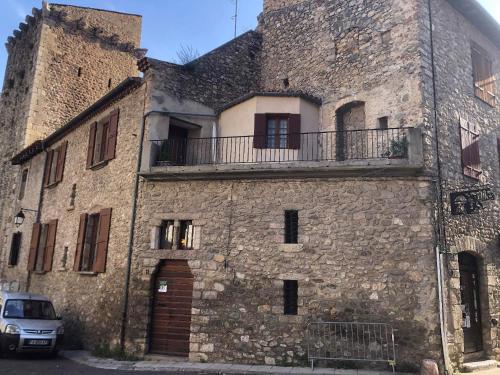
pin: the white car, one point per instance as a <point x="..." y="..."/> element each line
<point x="28" y="323"/>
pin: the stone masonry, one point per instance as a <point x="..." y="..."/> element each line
<point x="368" y="239"/>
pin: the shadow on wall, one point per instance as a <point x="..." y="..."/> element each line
<point x="74" y="331"/>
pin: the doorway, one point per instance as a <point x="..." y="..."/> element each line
<point x="470" y="303"/>
<point x="171" y="315"/>
<point x="174" y="149"/>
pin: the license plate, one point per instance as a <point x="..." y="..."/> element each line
<point x="38" y="342"/>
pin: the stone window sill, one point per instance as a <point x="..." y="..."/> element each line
<point x="39" y="272"/>
<point x="291" y="247"/>
<point x="87" y="273"/>
<point x="52" y="185"/>
<point x="99" y="165"/>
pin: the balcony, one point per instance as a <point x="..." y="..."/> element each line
<point x="397" y="150"/>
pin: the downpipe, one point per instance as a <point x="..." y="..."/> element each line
<point x="442" y="318"/>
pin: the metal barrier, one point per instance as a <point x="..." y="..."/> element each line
<point x="351" y="341"/>
<point x="319" y="146"/>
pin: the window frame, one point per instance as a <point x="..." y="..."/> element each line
<point x="54" y="165"/>
<point x="186" y="233"/>
<point x="277" y="136"/>
<point x="102" y="127"/>
<point x="167" y="225"/>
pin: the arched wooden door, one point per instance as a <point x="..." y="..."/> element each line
<point x="470" y="303"/>
<point x="171" y="316"/>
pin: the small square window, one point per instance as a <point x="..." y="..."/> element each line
<point x="383" y="122"/>
<point x="290" y="296"/>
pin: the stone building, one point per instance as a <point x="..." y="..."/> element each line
<point x="339" y="163"/>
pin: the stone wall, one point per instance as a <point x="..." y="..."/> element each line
<point x="222" y="75"/>
<point x="44" y="57"/>
<point x="478" y="233"/>
<point x="365" y="253"/>
<point x="91" y="304"/>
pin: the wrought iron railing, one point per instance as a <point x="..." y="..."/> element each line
<point x="303" y="147"/>
<point x="351" y="341"/>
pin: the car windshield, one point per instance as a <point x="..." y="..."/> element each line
<point x="29" y="309"/>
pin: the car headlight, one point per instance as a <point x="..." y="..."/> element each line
<point x="60" y="330"/>
<point x="12" y="329"/>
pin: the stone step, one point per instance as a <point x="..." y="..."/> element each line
<point x="480" y="366"/>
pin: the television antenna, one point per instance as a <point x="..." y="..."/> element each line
<point x="235" y="17"/>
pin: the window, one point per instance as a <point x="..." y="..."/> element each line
<point x="167" y="234"/>
<point x="29" y="309"/>
<point x="102" y="140"/>
<point x="383" y="122"/>
<point x="54" y="165"/>
<point x="92" y="242"/>
<point x="109" y="83"/>
<point x="15" y="247"/>
<point x="291" y="226"/>
<point x="24" y="181"/>
<point x="186" y="235"/>
<point x="484" y="79"/>
<point x="43" y="240"/>
<point x="290" y="297"/>
<point x="277" y="131"/>
<point x="471" y="163"/>
<point x="79" y="72"/>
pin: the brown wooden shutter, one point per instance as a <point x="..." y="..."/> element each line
<point x="112" y="134"/>
<point x="471" y="161"/>
<point x="90" y="150"/>
<point x="61" y="159"/>
<point x="259" y="134"/>
<point x="102" y="241"/>
<point x="50" y="246"/>
<point x="294" y="131"/>
<point x="80" y="242"/>
<point x="48" y="164"/>
<point x="35" y="237"/>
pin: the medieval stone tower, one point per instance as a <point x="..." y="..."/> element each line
<point x="62" y="59"/>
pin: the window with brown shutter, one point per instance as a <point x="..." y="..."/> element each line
<point x="92" y="244"/>
<point x="54" y="166"/>
<point x="102" y="140"/>
<point x="50" y="246"/>
<point x="471" y="162"/>
<point x="484" y="79"/>
<point x="277" y="131"/>
<point x="42" y="245"/>
<point x="35" y="238"/>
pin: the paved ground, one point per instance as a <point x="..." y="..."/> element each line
<point x="37" y="365"/>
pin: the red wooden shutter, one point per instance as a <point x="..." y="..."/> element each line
<point x="80" y="242"/>
<point x="48" y="164"/>
<point x="259" y="134"/>
<point x="61" y="158"/>
<point x="50" y="245"/>
<point x="90" y="150"/>
<point x="294" y="131"/>
<point x="102" y="241"/>
<point x="35" y="237"/>
<point x="112" y="135"/>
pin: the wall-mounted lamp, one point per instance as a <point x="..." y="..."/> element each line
<point x="19" y="218"/>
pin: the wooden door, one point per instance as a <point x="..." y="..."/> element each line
<point x="171" y="318"/>
<point x="470" y="303"/>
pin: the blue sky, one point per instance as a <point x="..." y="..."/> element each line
<point x="167" y="24"/>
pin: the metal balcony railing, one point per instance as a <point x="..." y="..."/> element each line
<point x="298" y="147"/>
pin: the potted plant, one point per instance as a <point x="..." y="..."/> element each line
<point x="398" y="148"/>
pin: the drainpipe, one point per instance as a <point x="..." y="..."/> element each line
<point x="441" y="229"/>
<point x="126" y="295"/>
